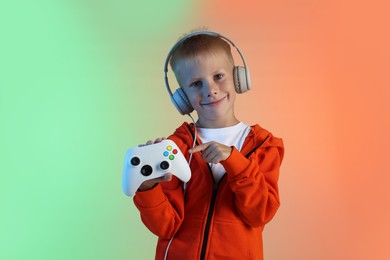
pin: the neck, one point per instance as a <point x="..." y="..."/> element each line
<point x="204" y="123"/>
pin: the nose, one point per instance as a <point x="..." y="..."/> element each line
<point x="210" y="88"/>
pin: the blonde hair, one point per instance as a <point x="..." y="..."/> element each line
<point x="200" y="44"/>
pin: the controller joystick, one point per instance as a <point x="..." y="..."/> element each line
<point x="164" y="165"/>
<point x="146" y="170"/>
<point x="135" y="161"/>
<point x="152" y="161"/>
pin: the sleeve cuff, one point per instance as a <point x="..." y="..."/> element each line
<point x="150" y="198"/>
<point x="235" y="163"/>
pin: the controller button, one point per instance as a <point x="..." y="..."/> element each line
<point x="165" y="153"/>
<point x="169" y="147"/>
<point x="135" y="161"/>
<point x="164" y="165"/>
<point x="171" y="157"/>
<point x="146" y="170"/>
<point x="174" y="151"/>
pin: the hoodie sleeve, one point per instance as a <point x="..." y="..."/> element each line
<point x="254" y="181"/>
<point x="161" y="211"/>
<point x="162" y="207"/>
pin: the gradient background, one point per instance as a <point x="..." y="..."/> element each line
<point x="81" y="81"/>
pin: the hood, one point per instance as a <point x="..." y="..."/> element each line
<point x="256" y="136"/>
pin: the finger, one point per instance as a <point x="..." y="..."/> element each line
<point x="167" y="177"/>
<point x="215" y="159"/>
<point x="209" y="150"/>
<point x="158" y="140"/>
<point x="146" y="185"/>
<point x="199" y="148"/>
<point x="211" y="157"/>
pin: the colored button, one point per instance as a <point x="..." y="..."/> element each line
<point x="174" y="151"/>
<point x="165" y="153"/>
<point x="171" y="157"/>
<point x="169" y="147"/>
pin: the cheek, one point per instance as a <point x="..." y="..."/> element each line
<point x="194" y="101"/>
<point x="232" y="94"/>
<point x="228" y="86"/>
<point x="190" y="95"/>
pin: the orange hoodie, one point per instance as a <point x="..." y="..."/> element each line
<point x="212" y="220"/>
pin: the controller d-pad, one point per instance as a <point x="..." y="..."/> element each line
<point x="164" y="165"/>
<point x="146" y="170"/>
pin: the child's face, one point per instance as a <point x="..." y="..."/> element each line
<point x="207" y="80"/>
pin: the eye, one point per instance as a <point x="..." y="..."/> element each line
<point x="197" y="83"/>
<point x="218" y="76"/>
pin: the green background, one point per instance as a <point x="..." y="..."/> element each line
<point x="80" y="82"/>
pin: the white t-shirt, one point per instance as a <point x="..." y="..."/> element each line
<point x="229" y="136"/>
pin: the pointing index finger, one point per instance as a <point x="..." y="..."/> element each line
<point x="198" y="148"/>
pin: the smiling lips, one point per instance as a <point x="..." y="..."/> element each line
<point x="214" y="102"/>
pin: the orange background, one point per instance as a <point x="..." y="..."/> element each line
<point x="320" y="71"/>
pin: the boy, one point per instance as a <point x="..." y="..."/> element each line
<point x="233" y="191"/>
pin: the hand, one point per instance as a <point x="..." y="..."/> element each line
<point x="212" y="152"/>
<point x="147" y="185"/>
<point x="158" y="140"/>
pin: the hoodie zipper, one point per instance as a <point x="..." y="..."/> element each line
<point x="209" y="215"/>
<point x="212" y="204"/>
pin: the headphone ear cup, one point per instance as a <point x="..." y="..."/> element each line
<point x="241" y="77"/>
<point x="181" y="102"/>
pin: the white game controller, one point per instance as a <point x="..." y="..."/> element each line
<point x="151" y="161"/>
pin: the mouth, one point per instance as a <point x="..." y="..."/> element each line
<point x="214" y="102"/>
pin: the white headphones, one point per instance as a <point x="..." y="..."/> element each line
<point x="241" y="75"/>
